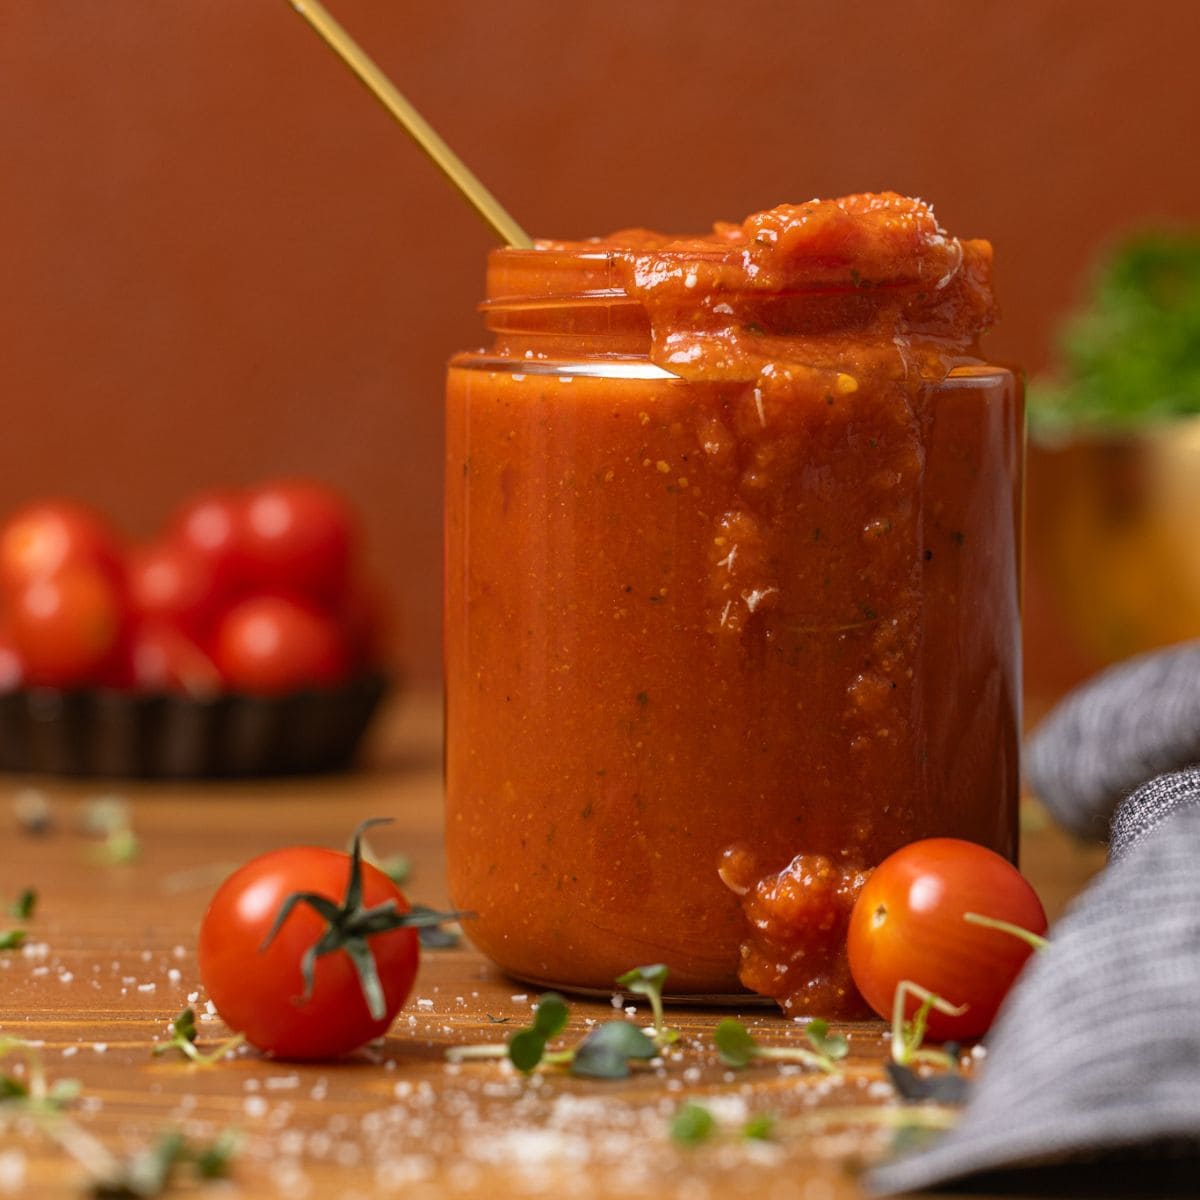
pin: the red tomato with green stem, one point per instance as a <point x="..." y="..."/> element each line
<point x="274" y="644"/>
<point x="297" y="535"/>
<point x="42" y="539"/>
<point x="67" y="626"/>
<point x="909" y="923"/>
<point x="308" y="952"/>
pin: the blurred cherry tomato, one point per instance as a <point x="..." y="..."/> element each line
<point x="172" y="582"/>
<point x="272" y="644"/>
<point x="908" y="924"/>
<point x="67" y="626"/>
<point x="12" y="667"/>
<point x="162" y="658"/>
<point x="210" y="527"/>
<point x="297" y="536"/>
<point x="43" y="538"/>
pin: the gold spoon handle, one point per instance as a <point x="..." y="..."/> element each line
<point x="463" y="178"/>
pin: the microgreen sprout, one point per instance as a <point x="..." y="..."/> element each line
<point x="108" y="817"/>
<point x="908" y="1035"/>
<point x="149" y="1173"/>
<point x="526" y="1047"/>
<point x="23" y="906"/>
<point x="605" y="1053"/>
<point x="649" y="982"/>
<point x="33" y="1094"/>
<point x="737" y="1047"/>
<point x="1026" y="935"/>
<point x="609" y="1048"/>
<point x="759" y="1128"/>
<point x="692" y="1124"/>
<point x="33" y="1097"/>
<point x="183" y="1033"/>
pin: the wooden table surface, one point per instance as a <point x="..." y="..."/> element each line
<point x="111" y="959"/>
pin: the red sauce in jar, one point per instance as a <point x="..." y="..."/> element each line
<point x="731" y="594"/>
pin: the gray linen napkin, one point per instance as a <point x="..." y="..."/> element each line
<point x="1132" y="722"/>
<point x="1092" y="1077"/>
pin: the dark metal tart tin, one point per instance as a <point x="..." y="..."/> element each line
<point x="170" y="736"/>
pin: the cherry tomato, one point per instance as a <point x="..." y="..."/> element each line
<point x="12" y="666"/>
<point x="67" y="626"/>
<point x="260" y="992"/>
<point x="162" y="658"/>
<point x="908" y="924"/>
<point x="43" y="538"/>
<point x="209" y="526"/>
<point x="273" y="644"/>
<point x="171" y="582"/>
<point x="297" y="537"/>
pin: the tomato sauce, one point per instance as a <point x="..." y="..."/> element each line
<point x="732" y="538"/>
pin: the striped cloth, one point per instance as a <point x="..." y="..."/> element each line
<point x="1131" y="723"/>
<point x="1092" y="1077"/>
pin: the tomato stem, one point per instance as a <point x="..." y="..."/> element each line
<point x="349" y="926"/>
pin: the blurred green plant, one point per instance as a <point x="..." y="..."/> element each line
<point x="1131" y="353"/>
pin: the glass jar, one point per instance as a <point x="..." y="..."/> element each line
<point x="723" y="627"/>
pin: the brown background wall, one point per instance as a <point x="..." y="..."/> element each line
<point x="219" y="260"/>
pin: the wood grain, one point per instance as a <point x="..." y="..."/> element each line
<point x="111" y="959"/>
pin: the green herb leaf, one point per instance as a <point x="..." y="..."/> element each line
<point x="526" y="1048"/>
<point x="649" y="982"/>
<point x="735" y="1044"/>
<point x="550" y="1016"/>
<point x="12" y="939"/>
<point x="692" y="1124"/>
<point x="832" y="1045"/>
<point x="606" y="1052"/>
<point x="23" y="906"/>
<point x="214" y="1160"/>
<point x="1131" y="353"/>
<point x="183" y="1033"/>
<point x="760" y="1128"/>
